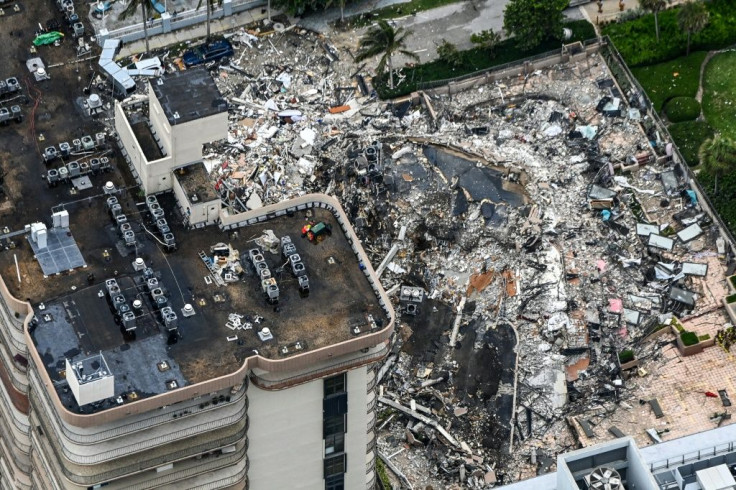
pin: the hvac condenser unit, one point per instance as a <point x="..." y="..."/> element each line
<point x="604" y="478"/>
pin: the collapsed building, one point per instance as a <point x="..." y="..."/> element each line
<point x="531" y="232"/>
<point x="545" y="250"/>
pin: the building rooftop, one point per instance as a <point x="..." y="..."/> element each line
<point x="228" y="319"/>
<point x="188" y="95"/>
<point x="195" y="182"/>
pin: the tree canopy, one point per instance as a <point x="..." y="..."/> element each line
<point x="382" y="39"/>
<point x="532" y="21"/>
<point x="718" y="157"/>
<point x="692" y="18"/>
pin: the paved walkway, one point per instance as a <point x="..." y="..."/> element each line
<point x="199" y="31"/>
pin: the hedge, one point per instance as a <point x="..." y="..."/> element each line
<point x="637" y="42"/>
<point x="689" y="338"/>
<point x="474" y="60"/>
<point x="681" y="109"/>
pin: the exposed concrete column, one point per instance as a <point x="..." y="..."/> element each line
<point x="166" y="22"/>
<point x="102" y="36"/>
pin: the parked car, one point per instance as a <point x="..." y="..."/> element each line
<point x="212" y="51"/>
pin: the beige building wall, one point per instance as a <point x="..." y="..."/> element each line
<point x="154" y="175"/>
<point x="201" y="212"/>
<point x="285" y="445"/>
<point x="356" y="437"/>
<point x="187" y="138"/>
<point x="157" y="116"/>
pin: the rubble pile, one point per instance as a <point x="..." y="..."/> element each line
<point x="527" y="231"/>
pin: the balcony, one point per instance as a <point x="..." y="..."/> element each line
<point x="154" y="418"/>
<point x="122" y="468"/>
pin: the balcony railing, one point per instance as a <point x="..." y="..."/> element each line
<point x="182" y="474"/>
<point x="130" y="449"/>
<point x="125" y="429"/>
<point x="150" y="463"/>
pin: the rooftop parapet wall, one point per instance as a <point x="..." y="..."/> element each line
<point x="289" y="367"/>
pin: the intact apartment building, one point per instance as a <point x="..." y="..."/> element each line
<point x="157" y="375"/>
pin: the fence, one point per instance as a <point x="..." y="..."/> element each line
<point x="168" y="22"/>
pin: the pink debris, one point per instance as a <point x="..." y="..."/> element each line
<point x="615" y="305"/>
<point x="601" y="264"/>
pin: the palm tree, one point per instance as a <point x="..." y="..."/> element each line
<point x="130" y="10"/>
<point x="386" y="41"/>
<point x="692" y="18"/>
<point x="718" y="156"/>
<point x="209" y="10"/>
<point x="654" y="6"/>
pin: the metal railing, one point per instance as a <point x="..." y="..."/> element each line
<point x="181" y="20"/>
<point x="269" y="383"/>
<point x="680" y="460"/>
<point x="11" y="411"/>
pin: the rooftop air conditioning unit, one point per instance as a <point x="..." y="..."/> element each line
<point x="604" y="478"/>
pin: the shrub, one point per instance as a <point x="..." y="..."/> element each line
<point x="448" y="53"/>
<point x="731" y="298"/>
<point x="703" y="337"/>
<point x="487" y="40"/>
<point x="689" y="338"/>
<point x="626" y="356"/>
<point x="680" y="109"/>
<point x="688" y="137"/>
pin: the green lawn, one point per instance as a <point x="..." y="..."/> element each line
<point x="719" y="95"/>
<point x="676" y="78"/>
<point x="688" y="137"/>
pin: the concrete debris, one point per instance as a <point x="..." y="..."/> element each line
<point x="528" y="236"/>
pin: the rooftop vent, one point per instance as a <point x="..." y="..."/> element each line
<point x="265" y="334"/>
<point x="188" y="310"/>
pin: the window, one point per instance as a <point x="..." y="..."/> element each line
<point x="335" y="385"/>
<point x="335" y="405"/>
<point x="334" y="425"/>
<point x="335" y="482"/>
<point x="334" y="443"/>
<point x="334" y="465"/>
